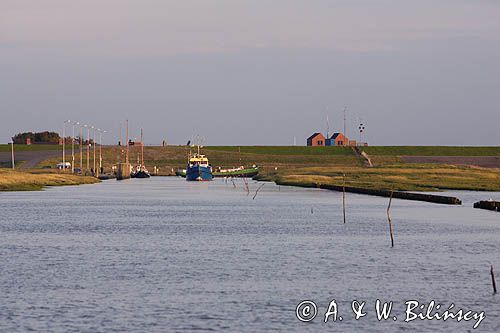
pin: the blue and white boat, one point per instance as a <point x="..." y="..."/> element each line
<point x="198" y="168"/>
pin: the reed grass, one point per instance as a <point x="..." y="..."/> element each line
<point x="11" y="180"/>
<point x="401" y="178"/>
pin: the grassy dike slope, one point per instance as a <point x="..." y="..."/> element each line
<point x="391" y="173"/>
<point x="30" y="181"/>
<point x="306" y="166"/>
<point x="402" y="178"/>
<point x="431" y="151"/>
<point x="173" y="157"/>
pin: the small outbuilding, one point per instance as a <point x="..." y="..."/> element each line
<point x="315" y="140"/>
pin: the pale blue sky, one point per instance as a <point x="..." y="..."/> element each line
<point x="254" y="72"/>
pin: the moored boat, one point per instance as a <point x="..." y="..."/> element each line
<point x="237" y="172"/>
<point x="180" y="172"/>
<point x="198" y="168"/>
<point x="140" y="170"/>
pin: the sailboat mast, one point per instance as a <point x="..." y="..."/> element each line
<point x="327" y="127"/>
<point x="126" y="156"/>
<point x="142" y="150"/>
<point x="345" y="132"/>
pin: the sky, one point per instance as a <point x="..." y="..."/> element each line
<point x="238" y="72"/>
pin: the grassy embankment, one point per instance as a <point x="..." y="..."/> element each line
<point x="401" y="178"/>
<point x="174" y="157"/>
<point x="306" y="166"/>
<point x="390" y="173"/>
<point x="11" y="180"/>
<point x="389" y="155"/>
<point x="431" y="151"/>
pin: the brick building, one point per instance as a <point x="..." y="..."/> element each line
<point x="337" y="139"/>
<point x="317" y="139"/>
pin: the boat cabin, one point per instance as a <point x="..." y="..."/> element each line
<point x="198" y="159"/>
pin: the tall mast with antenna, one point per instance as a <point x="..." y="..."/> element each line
<point x="142" y="150"/>
<point x="126" y="138"/>
<point x="327" y="127"/>
<point x="345" y="131"/>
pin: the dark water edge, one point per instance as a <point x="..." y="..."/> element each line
<point x="165" y="255"/>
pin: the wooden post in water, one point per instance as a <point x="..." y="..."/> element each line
<point x="343" y="195"/>
<point x="390" y="221"/>
<point x="493" y="280"/>
<point x="257" y="191"/>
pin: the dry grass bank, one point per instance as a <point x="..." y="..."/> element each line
<point x="402" y="178"/>
<point x="30" y="181"/>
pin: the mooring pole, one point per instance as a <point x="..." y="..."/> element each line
<point x="81" y="147"/>
<point x="88" y="148"/>
<point x="389" y="218"/>
<point x="63" y="152"/>
<point x="95" y="173"/>
<point x="493" y="280"/>
<point x="73" y="148"/>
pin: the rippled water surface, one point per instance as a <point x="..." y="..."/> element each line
<point x="165" y="255"/>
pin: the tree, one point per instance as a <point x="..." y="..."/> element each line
<point x="38" y="137"/>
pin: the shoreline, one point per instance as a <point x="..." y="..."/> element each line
<point x="413" y="196"/>
<point x="14" y="180"/>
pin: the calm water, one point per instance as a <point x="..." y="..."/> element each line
<point x="164" y="255"/>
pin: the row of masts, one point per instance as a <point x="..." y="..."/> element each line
<point x="124" y="169"/>
<point x="127" y="151"/>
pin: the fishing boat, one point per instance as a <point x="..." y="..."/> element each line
<point x="198" y="168"/>
<point x="235" y="172"/>
<point x="140" y="170"/>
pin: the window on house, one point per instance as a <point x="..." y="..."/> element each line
<point x="341" y="142"/>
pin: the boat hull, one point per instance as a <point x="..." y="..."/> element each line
<point x="199" y="173"/>
<point x="140" y="174"/>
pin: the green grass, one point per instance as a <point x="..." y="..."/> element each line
<point x="284" y="150"/>
<point x="403" y="178"/>
<point x="173" y="157"/>
<point x="302" y="150"/>
<point x="431" y="151"/>
<point x="11" y="180"/>
<point x="304" y="166"/>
